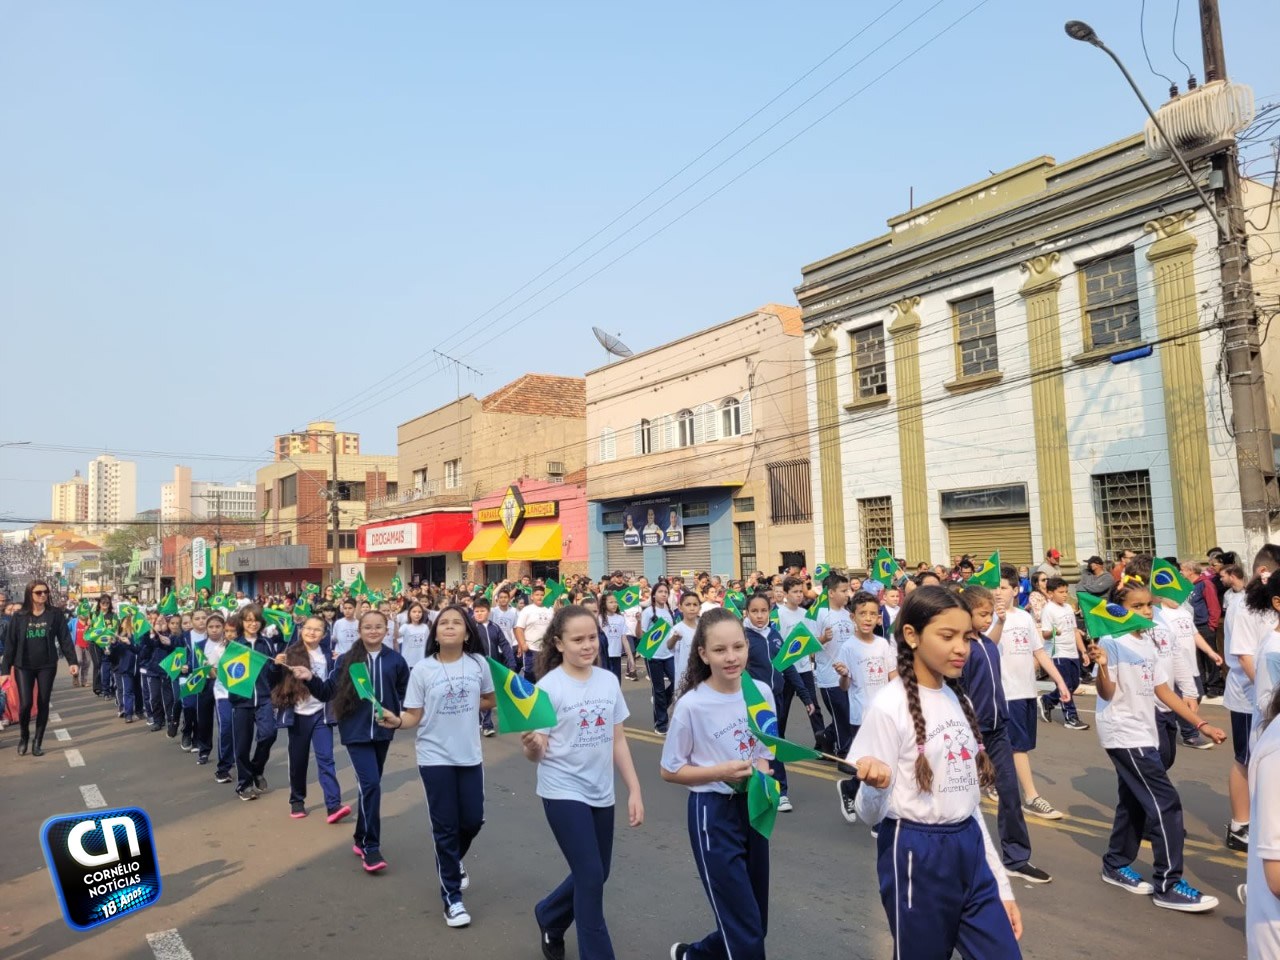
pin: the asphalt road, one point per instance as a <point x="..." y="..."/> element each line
<point x="243" y="880"/>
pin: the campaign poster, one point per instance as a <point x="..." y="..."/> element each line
<point x="658" y="522"/>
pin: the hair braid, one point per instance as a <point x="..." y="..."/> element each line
<point x="986" y="769"/>
<point x="907" y="671"/>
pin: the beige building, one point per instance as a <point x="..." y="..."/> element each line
<point x="697" y="456"/>
<point x="71" y="501"/>
<point x="315" y="439"/>
<point x="533" y="428"/>
<point x="113" y="487"/>
<point x="1262" y="212"/>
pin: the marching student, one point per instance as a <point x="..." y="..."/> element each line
<point x="614" y="627"/>
<point x="576" y="761"/>
<point x="661" y="667"/>
<point x="763" y="644"/>
<point x="732" y="858"/>
<point x="493" y="643"/>
<point x="309" y="721"/>
<point x="1248" y="624"/>
<point x="103" y="613"/>
<point x="531" y="625"/>
<point x="1262" y="905"/>
<point x="447" y="688"/>
<point x="192" y="638"/>
<point x="503" y="615"/>
<point x="366" y="737"/>
<point x="345" y="632"/>
<point x="942" y="884"/>
<point x="221" y="631"/>
<point x="1066" y="648"/>
<point x="789" y="614"/>
<point x="833" y="627"/>
<point x="1021" y="650"/>
<point x="1130" y="679"/>
<point x="158" y="645"/>
<point x="413" y="632"/>
<point x="632" y="633"/>
<point x="206" y="700"/>
<point x="123" y="655"/>
<point x="985" y="689"/>
<point x="252" y="718"/>
<point x="681" y="640"/>
<point x="890" y="604"/>
<point x="865" y="664"/>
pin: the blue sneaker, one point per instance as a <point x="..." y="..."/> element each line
<point x="1182" y="896"/>
<point x="1129" y="879"/>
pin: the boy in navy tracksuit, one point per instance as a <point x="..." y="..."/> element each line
<point x="493" y="643"/>
<point x="253" y="718"/>
<point x="985" y="689"/>
<point x="763" y="643"/>
<point x="124" y="664"/>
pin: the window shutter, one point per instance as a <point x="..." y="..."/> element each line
<point x="668" y="432"/>
<point x="710" y="426"/>
<point x="744" y="409"/>
<point x="638" y="443"/>
<point x="608" y="445"/>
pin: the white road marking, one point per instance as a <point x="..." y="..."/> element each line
<point x="55" y="718"/>
<point x="92" y="796"/>
<point x="168" y="945"/>
<point x="74" y="759"/>
<point x="62" y="734"/>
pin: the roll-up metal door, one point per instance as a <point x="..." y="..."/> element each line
<point x="980" y="537"/>
<point x="694" y="554"/>
<point x="630" y="560"/>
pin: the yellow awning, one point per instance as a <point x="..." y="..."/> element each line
<point x="490" y="545"/>
<point x="541" y="542"/>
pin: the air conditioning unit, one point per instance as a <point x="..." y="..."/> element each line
<point x="1209" y="114"/>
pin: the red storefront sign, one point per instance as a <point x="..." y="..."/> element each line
<point x="409" y="536"/>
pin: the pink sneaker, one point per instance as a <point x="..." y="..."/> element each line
<point x="374" y="863"/>
<point x="297" y="811"/>
<point x="355" y="848"/>
<point x="338" y="815"/>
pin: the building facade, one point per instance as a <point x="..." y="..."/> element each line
<point x="697" y="457"/>
<point x="1029" y="363"/>
<point x="71" y="501"/>
<point x="185" y="499"/>
<point x="316" y="439"/>
<point x="459" y="454"/>
<point x="531" y="528"/>
<point x="113" y="490"/>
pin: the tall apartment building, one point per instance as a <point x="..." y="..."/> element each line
<point x="113" y="491"/>
<point x="185" y="499"/>
<point x="71" y="501"/>
<point x="315" y="439"/>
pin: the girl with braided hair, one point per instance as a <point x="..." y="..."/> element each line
<point x="941" y="880"/>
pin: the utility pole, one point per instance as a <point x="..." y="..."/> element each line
<point x="1254" y="452"/>
<point x="333" y="506"/>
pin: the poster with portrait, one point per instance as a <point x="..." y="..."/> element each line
<point x="657" y="522"/>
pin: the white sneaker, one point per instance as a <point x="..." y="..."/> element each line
<point x="456" y="915"/>
<point x="784" y="804"/>
<point x="1041" y="807"/>
<point x="466" y="877"/>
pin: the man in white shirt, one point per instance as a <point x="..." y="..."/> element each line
<point x="531" y="626"/>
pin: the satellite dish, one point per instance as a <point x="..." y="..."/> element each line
<point x="614" y="346"/>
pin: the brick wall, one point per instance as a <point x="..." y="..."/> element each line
<point x="375" y="485"/>
<point x="313" y="515"/>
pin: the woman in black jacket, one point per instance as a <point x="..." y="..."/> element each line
<point x="37" y="634"/>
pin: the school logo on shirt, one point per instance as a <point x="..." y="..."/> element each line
<point x="456" y="697"/>
<point x="959" y="770"/>
<point x="103" y="864"/>
<point x="1019" y="640"/>
<point x="592" y="726"/>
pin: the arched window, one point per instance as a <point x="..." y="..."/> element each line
<point x="684" y="427"/>
<point x="730" y="418"/>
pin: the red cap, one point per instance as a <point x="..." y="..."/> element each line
<point x="1055" y="554"/>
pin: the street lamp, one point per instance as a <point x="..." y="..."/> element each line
<point x="1079" y="30"/>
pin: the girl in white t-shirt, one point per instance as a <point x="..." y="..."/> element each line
<point x="413" y="634"/>
<point x="1262" y="905"/>
<point x="310" y="724"/>
<point x="1130" y="679"/>
<point x="920" y="755"/>
<point x="576" y="759"/>
<point x="710" y="750"/>
<point x="681" y="639"/>
<point x="448" y="688"/>
<point x="614" y="627"/>
<point x="661" y="667"/>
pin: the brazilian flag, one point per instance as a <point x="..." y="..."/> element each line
<point x="126" y="610"/>
<point x="799" y="644"/>
<point x="141" y="627"/>
<point x="488" y="593"/>
<point x="100" y="634"/>
<point x="821" y="572"/>
<point x="628" y="597"/>
<point x="282" y="619"/>
<point x="822" y="603"/>
<point x="1103" y="619"/>
<point x="303" y="607"/>
<point x="311" y="588"/>
<point x="239" y="667"/>
<point x="185" y="593"/>
<point x="84" y="608"/>
<point x="169" y="605"/>
<point x="555" y="590"/>
<point x="763" y="795"/>
<point x="735" y="601"/>
<point x="193" y="683"/>
<point x="358" y="587"/>
<point x="339" y="588"/>
<point x="886" y="571"/>
<point x="764" y="724"/>
<point x="651" y="640"/>
<point x="397" y="586"/>
<point x="521" y="706"/>
<point x="364" y="685"/>
<point x="174" y="662"/>
<point x="987" y="575"/>
<point x="1167" y="583"/>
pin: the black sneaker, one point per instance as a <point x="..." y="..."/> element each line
<point x="679" y="951"/>
<point x="1045" y="713"/>
<point x="222" y="777"/>
<point x="186" y="743"/>
<point x="1075" y="723"/>
<point x="1197" y="742"/>
<point x="847" y="797"/>
<point x="171" y="732"/>
<point x="1029" y="872"/>
<point x="248" y="793"/>
<point x="202" y="759"/>
<point x="261" y="784"/>
<point x="156" y="726"/>
<point x="1238" y="839"/>
<point x="552" y="947"/>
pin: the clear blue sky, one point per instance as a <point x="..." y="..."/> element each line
<point x="221" y="220"/>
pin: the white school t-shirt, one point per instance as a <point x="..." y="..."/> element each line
<point x="578" y="764"/>
<point x="344" y="635"/>
<point x="869" y="665"/>
<point x="1266" y="676"/>
<point x="534" y="620"/>
<point x="1182" y="625"/>
<point x="1019" y="640"/>
<point x="684" y="646"/>
<point x="888" y="734"/>
<point x="615" y="625"/>
<point x="841" y="624"/>
<point x="1262" y="910"/>
<point x="505" y="620"/>
<point x="413" y="642"/>
<point x="1249" y="630"/>
<point x="787" y="620"/>
<point x="646" y="621"/>
<point x="213" y="651"/>
<point x="448" y="694"/>
<point x="320" y="670"/>
<point x="1166" y="648"/>
<point x="1062" y="619"/>
<point x="708" y="727"/>
<point x="1128" y="719"/>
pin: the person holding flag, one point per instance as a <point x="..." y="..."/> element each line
<point x="367" y="688"/>
<point x="661" y="662"/>
<point x="732" y="856"/>
<point x="248" y="670"/>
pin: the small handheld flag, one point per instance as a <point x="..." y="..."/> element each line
<point x="488" y="593"/>
<point x="185" y="593"/>
<point x="84" y="608"/>
<point x="821" y="572"/>
<point x="521" y="706"/>
<point x="887" y="571"/>
<point x="239" y="667"/>
<point x="364" y="686"/>
<point x="311" y="588"/>
<point x="775" y="620"/>
<point x="1168" y="583"/>
<point x="737" y="605"/>
<point x="169" y="605"/>
<point x="555" y="590"/>
<point x="799" y="644"/>
<point x="628" y="597"/>
<point x="763" y="796"/>
<point x="358" y="587"/>
<point x="651" y="640"/>
<point x="100" y="635"/>
<point x="397" y="586"/>
<point x="303" y="607"/>
<point x="141" y="627"/>
<point x="822" y="603"/>
<point x="1102" y="619"/>
<point x="339" y="588"/>
<point x="283" y="621"/>
<point x="174" y="662"/>
<point x="988" y="575"/>
<point x="193" y="683"/>
<point x="764" y="724"/>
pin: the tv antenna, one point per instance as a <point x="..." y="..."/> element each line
<point x="458" y="367"/>
<point x="612" y="345"/>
